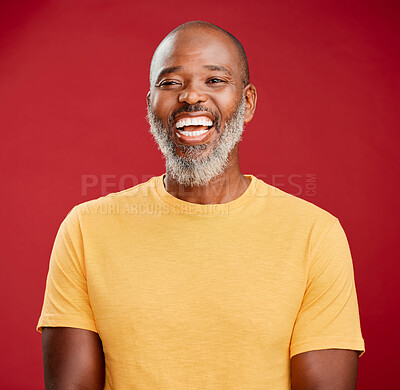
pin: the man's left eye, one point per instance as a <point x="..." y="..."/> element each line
<point x="215" y="80"/>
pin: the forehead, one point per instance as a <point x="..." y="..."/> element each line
<point x="194" y="48"/>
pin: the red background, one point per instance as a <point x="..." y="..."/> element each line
<point x="73" y="80"/>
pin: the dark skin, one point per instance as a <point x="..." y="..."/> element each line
<point x="73" y="358"/>
<point x="327" y="369"/>
<point x="208" y="72"/>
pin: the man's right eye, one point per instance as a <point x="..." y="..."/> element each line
<point x="167" y="83"/>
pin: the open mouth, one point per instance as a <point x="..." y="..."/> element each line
<point x="194" y="129"/>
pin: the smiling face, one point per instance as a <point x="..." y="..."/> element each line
<point x="197" y="104"/>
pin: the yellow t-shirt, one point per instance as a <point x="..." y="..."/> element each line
<point x="188" y="296"/>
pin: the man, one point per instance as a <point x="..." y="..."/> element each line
<point x="202" y="278"/>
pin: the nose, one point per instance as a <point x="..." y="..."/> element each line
<point x="192" y="95"/>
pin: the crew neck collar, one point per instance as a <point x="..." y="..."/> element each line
<point x="184" y="207"/>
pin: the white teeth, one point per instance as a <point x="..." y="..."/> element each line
<point x="191" y="133"/>
<point x="199" y="121"/>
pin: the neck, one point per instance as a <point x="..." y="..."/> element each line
<point x="222" y="189"/>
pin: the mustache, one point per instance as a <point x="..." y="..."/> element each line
<point x="194" y="108"/>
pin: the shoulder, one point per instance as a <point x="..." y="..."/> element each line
<point x="116" y="201"/>
<point x="98" y="211"/>
<point x="291" y="215"/>
<point x="284" y="201"/>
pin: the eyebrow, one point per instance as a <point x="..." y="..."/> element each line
<point x="166" y="71"/>
<point x="218" y="68"/>
<point x="173" y="69"/>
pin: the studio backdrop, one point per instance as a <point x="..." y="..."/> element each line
<point x="73" y="85"/>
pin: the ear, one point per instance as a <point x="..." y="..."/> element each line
<point x="148" y="98"/>
<point x="250" y="94"/>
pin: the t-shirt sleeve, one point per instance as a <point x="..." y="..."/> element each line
<point x="66" y="301"/>
<point x="329" y="317"/>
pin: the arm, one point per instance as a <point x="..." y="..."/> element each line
<point x="328" y="369"/>
<point x="72" y="359"/>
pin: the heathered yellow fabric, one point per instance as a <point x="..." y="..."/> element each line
<point x="188" y="296"/>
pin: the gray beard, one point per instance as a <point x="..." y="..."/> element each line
<point x="192" y="169"/>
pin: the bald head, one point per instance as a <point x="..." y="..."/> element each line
<point x="194" y="29"/>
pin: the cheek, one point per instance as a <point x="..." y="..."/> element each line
<point x="228" y="102"/>
<point x="160" y="105"/>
